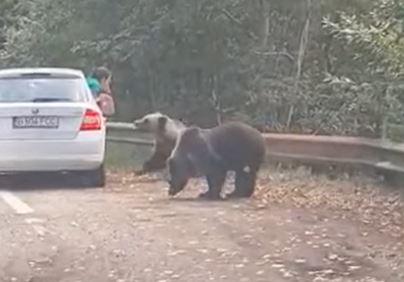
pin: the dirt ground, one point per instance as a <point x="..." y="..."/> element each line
<point x="297" y="227"/>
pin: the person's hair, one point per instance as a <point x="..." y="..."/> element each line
<point x="101" y="72"/>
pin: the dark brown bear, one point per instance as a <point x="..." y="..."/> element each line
<point x="165" y="132"/>
<point x="232" y="146"/>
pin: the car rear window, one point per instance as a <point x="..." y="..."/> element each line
<point x="39" y="89"/>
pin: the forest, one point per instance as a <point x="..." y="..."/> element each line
<point x="302" y="66"/>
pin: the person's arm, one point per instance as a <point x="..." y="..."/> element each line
<point x="105" y="86"/>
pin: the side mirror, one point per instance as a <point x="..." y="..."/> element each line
<point x="106" y="104"/>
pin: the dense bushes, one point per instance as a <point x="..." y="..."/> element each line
<point x="320" y="67"/>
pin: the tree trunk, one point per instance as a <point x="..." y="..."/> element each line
<point x="152" y="89"/>
<point x="215" y="99"/>
<point x="304" y="38"/>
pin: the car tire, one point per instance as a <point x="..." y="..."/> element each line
<point x="94" y="178"/>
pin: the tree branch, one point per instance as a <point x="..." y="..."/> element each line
<point x="282" y="53"/>
<point x="238" y="23"/>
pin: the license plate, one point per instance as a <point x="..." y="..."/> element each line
<point x="36" y="122"/>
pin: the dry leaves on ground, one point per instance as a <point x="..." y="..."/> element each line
<point x="368" y="200"/>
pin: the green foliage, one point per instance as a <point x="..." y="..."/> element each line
<point x="236" y="59"/>
<point x="376" y="45"/>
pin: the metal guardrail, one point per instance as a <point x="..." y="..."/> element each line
<point x="121" y="126"/>
<point x="127" y="127"/>
<point x="381" y="155"/>
<point x="378" y="154"/>
<point x="134" y="141"/>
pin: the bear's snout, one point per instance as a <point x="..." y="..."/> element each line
<point x="142" y="124"/>
<point x="137" y="122"/>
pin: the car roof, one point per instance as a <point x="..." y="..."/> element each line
<point x="17" y="72"/>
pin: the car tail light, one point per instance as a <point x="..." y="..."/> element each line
<point x="91" y="121"/>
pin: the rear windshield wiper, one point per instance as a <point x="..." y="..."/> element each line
<point x="45" y="100"/>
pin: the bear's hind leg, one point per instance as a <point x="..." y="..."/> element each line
<point x="215" y="184"/>
<point x="244" y="184"/>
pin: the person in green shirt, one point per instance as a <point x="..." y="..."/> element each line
<point x="94" y="85"/>
<point x="99" y="81"/>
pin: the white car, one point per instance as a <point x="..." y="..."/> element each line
<point x="50" y="122"/>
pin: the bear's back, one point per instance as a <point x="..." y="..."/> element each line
<point x="238" y="144"/>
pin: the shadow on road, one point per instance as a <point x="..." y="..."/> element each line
<point x="41" y="181"/>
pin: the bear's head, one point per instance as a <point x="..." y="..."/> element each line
<point x="187" y="160"/>
<point x="152" y="123"/>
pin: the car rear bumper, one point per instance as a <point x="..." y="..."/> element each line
<point x="85" y="152"/>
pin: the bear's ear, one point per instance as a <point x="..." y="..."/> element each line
<point x="193" y="131"/>
<point x="162" y="121"/>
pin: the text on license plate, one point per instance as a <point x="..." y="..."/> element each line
<point x="36" y="122"/>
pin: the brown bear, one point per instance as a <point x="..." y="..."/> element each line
<point x="232" y="146"/>
<point x="165" y="132"/>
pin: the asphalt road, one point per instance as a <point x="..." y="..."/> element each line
<point x="132" y="231"/>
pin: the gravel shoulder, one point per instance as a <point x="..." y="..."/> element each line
<point x="296" y="228"/>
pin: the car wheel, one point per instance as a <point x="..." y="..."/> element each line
<point x="94" y="178"/>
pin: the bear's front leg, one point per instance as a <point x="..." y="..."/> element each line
<point x="156" y="162"/>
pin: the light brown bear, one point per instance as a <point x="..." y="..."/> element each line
<point x="232" y="146"/>
<point x="165" y="132"/>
